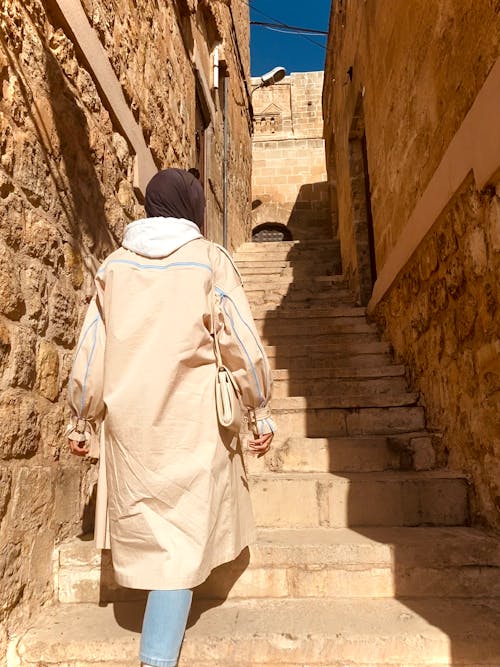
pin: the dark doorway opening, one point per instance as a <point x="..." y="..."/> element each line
<point x="362" y="220"/>
<point x="202" y="122"/>
<point x="271" y="231"/>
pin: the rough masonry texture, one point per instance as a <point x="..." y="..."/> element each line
<point x="400" y="80"/>
<point x="289" y="184"/>
<point x="66" y="194"/>
<point x="442" y="318"/>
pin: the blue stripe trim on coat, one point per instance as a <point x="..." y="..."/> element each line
<point x="71" y="380"/>
<point x="89" y="361"/>
<point x="269" y="426"/>
<point x="252" y="367"/>
<point x="259" y="347"/>
<point x="138" y="265"/>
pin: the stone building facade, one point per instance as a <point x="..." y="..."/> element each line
<point x="94" y="97"/>
<point x="411" y="99"/>
<point x="289" y="184"/>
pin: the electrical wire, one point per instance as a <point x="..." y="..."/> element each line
<point x="292" y="28"/>
<point x="286" y="31"/>
<point x="278" y="23"/>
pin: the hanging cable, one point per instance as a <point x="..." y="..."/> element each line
<point x="278" y="23"/>
<point x="289" y="32"/>
<point x="292" y="28"/>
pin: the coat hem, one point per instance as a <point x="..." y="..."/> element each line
<point x="140" y="583"/>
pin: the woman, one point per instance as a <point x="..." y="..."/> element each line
<point x="173" y="502"/>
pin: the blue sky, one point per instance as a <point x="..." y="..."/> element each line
<point x="269" y="48"/>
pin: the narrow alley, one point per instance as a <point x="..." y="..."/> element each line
<point x="360" y="202"/>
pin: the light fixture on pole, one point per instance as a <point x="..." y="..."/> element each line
<point x="269" y="78"/>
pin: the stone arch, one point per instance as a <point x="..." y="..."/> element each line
<point x="271" y="231"/>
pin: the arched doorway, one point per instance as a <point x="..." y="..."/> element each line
<point x="271" y="231"/>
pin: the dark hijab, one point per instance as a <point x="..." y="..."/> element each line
<point x="175" y="193"/>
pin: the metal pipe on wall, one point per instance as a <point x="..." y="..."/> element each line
<point x="224" y="168"/>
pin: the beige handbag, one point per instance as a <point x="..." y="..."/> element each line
<point x="227" y="393"/>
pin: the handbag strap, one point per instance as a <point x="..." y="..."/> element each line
<point x="213" y="332"/>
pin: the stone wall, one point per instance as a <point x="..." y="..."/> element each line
<point x="400" y="81"/>
<point x="171" y="86"/>
<point x="66" y="194"/>
<point x="406" y="73"/>
<point x="289" y="173"/>
<point x="442" y="317"/>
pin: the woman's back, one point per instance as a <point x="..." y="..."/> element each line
<point x="175" y="489"/>
<point x="159" y="352"/>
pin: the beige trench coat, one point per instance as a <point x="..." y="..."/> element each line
<point x="173" y="499"/>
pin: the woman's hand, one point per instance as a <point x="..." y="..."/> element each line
<point x="260" y="445"/>
<point x="78" y="448"/>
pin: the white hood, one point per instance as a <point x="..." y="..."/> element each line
<point x="159" y="237"/>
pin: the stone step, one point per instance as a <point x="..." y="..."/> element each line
<point x="313" y="281"/>
<point x="317" y="337"/>
<point x="305" y="271"/>
<point x="371" y="453"/>
<point x="293" y="386"/>
<point x="301" y="500"/>
<point x="272" y="271"/>
<point x="317" y="325"/>
<point x="301" y="246"/>
<point x="377" y="562"/>
<point x="282" y="262"/>
<point x="390" y="371"/>
<point x="322" y="562"/>
<point x="310" y="265"/>
<point x="295" y="257"/>
<point x="316" y="312"/>
<point x="328" y="349"/>
<point x="278" y="633"/>
<point x="291" y="286"/>
<point x="315" y="422"/>
<point x="311" y="358"/>
<point x="299" y="300"/>
<point x="358" y="402"/>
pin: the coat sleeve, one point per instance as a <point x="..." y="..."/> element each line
<point x="241" y="348"/>
<point x="85" y="389"/>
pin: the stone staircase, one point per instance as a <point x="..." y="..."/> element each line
<point x="364" y="556"/>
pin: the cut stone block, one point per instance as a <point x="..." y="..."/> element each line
<point x="320" y="325"/>
<point x="335" y="386"/>
<point x="309" y="359"/>
<point x="286" y="500"/>
<point x="283" y="341"/>
<point x="317" y="422"/>
<point x="342" y="454"/>
<point x="318" y="312"/>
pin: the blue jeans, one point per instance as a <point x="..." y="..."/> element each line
<point x="164" y="626"/>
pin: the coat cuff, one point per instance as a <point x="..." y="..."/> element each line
<point x="260" y="420"/>
<point x="82" y="430"/>
<point x="266" y="425"/>
<point x="79" y="429"/>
